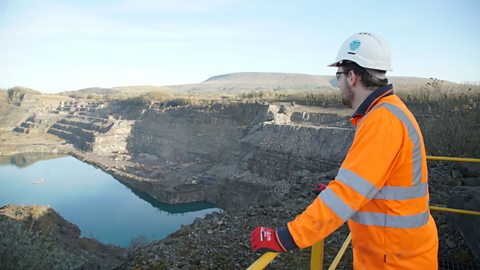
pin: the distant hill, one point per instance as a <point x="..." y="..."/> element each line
<point x="235" y="83"/>
<point x="271" y="80"/>
<point x="257" y="81"/>
<point x="280" y="82"/>
<point x="92" y="90"/>
<point x="126" y="91"/>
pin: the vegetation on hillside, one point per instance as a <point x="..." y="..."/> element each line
<point x="449" y="117"/>
<point x="3" y="96"/>
<point x="17" y="93"/>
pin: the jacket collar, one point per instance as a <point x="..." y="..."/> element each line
<point x="373" y="99"/>
<point x="370" y="102"/>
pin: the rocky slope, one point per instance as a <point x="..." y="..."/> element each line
<point x="36" y="237"/>
<point x="221" y="240"/>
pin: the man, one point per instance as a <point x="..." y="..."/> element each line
<point x="381" y="187"/>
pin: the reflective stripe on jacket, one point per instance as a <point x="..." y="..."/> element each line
<point x="382" y="190"/>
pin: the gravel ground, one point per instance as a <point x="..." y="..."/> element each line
<point x="221" y="240"/>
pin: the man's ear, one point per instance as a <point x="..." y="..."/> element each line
<point x="350" y="77"/>
<point x="353" y="78"/>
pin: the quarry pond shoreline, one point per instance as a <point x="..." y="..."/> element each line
<point x="101" y="206"/>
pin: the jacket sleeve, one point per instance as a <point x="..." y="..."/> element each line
<point x="363" y="173"/>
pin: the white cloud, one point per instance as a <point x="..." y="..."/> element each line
<point x="76" y="24"/>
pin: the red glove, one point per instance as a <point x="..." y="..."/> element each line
<point x="265" y="239"/>
<point x="319" y="188"/>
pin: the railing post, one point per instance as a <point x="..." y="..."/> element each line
<point x="316" y="258"/>
<point x="340" y="253"/>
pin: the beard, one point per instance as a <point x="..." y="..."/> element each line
<point x="347" y="96"/>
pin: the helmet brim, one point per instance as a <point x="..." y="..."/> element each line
<point x="334" y="64"/>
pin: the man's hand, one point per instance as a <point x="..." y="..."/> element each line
<point x="319" y="188"/>
<point x="265" y="239"/>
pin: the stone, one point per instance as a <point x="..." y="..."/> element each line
<point x="454" y="182"/>
<point x="457" y="174"/>
<point x="471" y="181"/>
<point x="450" y="244"/>
<point x="468" y="169"/>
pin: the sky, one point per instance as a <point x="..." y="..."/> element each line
<point x="53" y="45"/>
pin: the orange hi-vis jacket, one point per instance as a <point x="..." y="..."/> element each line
<point x="381" y="189"/>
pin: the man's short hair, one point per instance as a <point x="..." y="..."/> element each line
<point x="369" y="77"/>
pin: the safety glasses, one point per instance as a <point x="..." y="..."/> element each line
<point x="341" y="72"/>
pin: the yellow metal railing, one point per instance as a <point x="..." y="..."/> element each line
<point x="453" y="210"/>
<point x="263" y="261"/>
<point x="455" y="159"/>
<point x="340" y="253"/>
<point x="316" y="259"/>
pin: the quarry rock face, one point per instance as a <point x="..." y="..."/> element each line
<point x="234" y="145"/>
<point x="281" y="151"/>
<point x="210" y="134"/>
<point x="181" y="154"/>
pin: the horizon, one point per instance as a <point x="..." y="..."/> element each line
<point x="54" y="46"/>
<point x="194" y="83"/>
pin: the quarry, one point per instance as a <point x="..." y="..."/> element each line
<point x="248" y="157"/>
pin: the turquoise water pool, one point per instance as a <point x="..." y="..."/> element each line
<point x="100" y="205"/>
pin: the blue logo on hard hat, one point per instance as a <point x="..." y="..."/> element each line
<point x="354" y="45"/>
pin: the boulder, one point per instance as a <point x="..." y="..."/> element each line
<point x="468" y="169"/>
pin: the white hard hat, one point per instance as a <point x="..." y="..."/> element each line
<point x="367" y="50"/>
